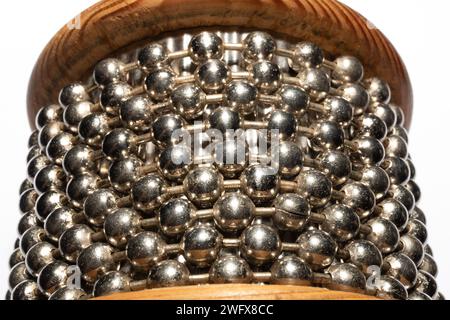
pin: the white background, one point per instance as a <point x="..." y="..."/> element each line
<point x="418" y="29"/>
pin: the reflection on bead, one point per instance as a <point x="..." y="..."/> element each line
<point x="230" y="269"/>
<point x="291" y="270"/>
<point x="317" y="248"/>
<point x="260" y="244"/>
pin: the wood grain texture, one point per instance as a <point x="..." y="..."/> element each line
<point x="113" y="26"/>
<point x="238" y="292"/>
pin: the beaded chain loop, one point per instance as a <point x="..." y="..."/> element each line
<point x="152" y="174"/>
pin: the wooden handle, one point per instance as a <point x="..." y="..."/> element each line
<point x="238" y="292"/>
<point x="113" y="26"/>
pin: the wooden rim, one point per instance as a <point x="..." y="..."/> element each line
<point x="113" y="26"/>
<point x="238" y="292"/>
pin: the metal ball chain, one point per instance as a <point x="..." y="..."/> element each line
<point x="114" y="197"/>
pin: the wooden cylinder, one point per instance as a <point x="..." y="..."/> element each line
<point x="111" y="27"/>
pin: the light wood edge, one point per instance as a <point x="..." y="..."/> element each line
<point x="113" y="26"/>
<point x="238" y="292"/>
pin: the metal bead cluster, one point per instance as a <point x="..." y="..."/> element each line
<point x="115" y="202"/>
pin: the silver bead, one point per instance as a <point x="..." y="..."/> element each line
<point x="395" y="146"/>
<point x="315" y="81"/>
<point x="384" y="234"/>
<point x="164" y="127"/>
<point x="30" y="238"/>
<point x="415" y="190"/>
<point x="403" y="195"/>
<point x="385" y="113"/>
<point x="49" y="178"/>
<point x="73" y="93"/>
<point x="212" y="75"/>
<point x="341" y="222"/>
<point x="370" y="150"/>
<point x="233" y="212"/>
<point x="379" y="90"/>
<point x="39" y="255"/>
<point x="288" y="158"/>
<point x="147" y="193"/>
<point x="112" y="282"/>
<point x="79" y="160"/>
<point x="260" y="244"/>
<point x="16" y="258"/>
<point x="258" y="46"/>
<point x="174" y="162"/>
<point x="400" y="131"/>
<point x="346" y="277"/>
<point x="68" y="294"/>
<point x="34" y="151"/>
<point x="49" y="131"/>
<point x="123" y="173"/>
<point x="135" y="114"/>
<point x="261" y="183"/>
<point x="402" y="268"/>
<point x="293" y="100"/>
<point x="26" y="290"/>
<point x="292" y="212"/>
<point x="53" y="277"/>
<point x="427" y="249"/>
<point x="79" y="187"/>
<point x="291" y="270"/>
<point x="98" y="205"/>
<point x="73" y="241"/>
<point x="145" y="249"/>
<point x="317" y="248"/>
<point x="315" y="187"/>
<point x="365" y="255"/>
<point x="348" y="69"/>
<point x="336" y="165"/>
<point x="93" y="128"/>
<point x="168" y="273"/>
<point x="74" y="113"/>
<point x="188" y="100"/>
<point x="58" y="146"/>
<point x="426" y="284"/>
<point x="25" y="185"/>
<point x="231" y="157"/>
<point x="48" y="114"/>
<point x="377" y="180"/>
<point x="412" y="248"/>
<point x="59" y="220"/>
<point x="339" y="110"/>
<point x="429" y="265"/>
<point x="390" y="288"/>
<point x="400" y="115"/>
<point x="152" y="56"/>
<point x="119" y="143"/>
<point x="159" y="83"/>
<point x="370" y="125"/>
<point x="357" y="96"/>
<point x="266" y="76"/>
<point x="230" y="269"/>
<point x="420" y="296"/>
<point x="109" y="71"/>
<point x="33" y="139"/>
<point x="27" y="200"/>
<point x="241" y="96"/>
<point x="121" y="225"/>
<point x="18" y="274"/>
<point x="360" y="198"/>
<point x="175" y="217"/>
<point x="225" y="120"/>
<point x="395" y="212"/>
<point x="282" y="124"/>
<point x="204" y="46"/>
<point x="417" y="229"/>
<point x="49" y="201"/>
<point x="203" y="186"/>
<point x="201" y="245"/>
<point x="307" y="55"/>
<point x="327" y="135"/>
<point x="113" y="95"/>
<point x="95" y="260"/>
